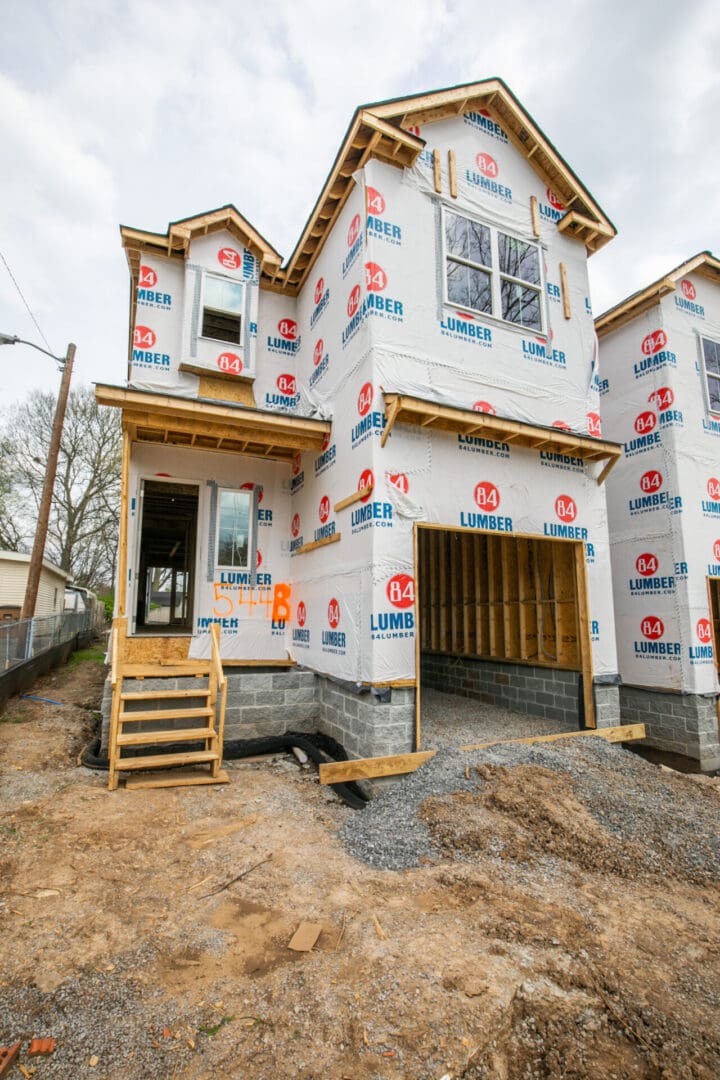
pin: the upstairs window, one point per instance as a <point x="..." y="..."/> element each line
<point x="491" y="272"/>
<point x="222" y="306"/>
<point x="711" y="359"/>
<point x="233" y="541"/>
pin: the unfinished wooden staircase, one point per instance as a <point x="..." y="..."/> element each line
<point x="194" y="723"/>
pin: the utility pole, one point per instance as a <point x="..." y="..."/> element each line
<point x="38" y="551"/>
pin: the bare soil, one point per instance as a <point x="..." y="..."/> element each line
<point x="536" y="944"/>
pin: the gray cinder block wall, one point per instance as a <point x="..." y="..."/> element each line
<point x="540" y="691"/>
<point x="268" y="701"/>
<point x="684" y="724"/>
<point x="368" y="722"/>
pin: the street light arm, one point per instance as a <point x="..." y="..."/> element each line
<point x="12" y="339"/>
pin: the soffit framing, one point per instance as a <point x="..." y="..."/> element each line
<point x="163" y="419"/>
<point x="400" y="408"/>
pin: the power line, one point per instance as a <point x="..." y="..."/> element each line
<point x="12" y="278"/>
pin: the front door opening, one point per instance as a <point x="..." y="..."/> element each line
<point x="166" y="567"/>
<point x="504" y="640"/>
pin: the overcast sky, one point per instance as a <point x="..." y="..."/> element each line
<point x="144" y="112"/>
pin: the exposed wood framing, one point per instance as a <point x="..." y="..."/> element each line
<point x="123" y="537"/>
<point x="498" y="597"/>
<point x="318" y="544"/>
<point x="587" y="230"/>
<point x="419" y="584"/>
<point x="585" y="640"/>
<point x="340" y="772"/>
<point x="430" y="414"/>
<point x="207" y="425"/>
<point x="534" y="215"/>
<point x="357" y="496"/>
<point x="565" y="290"/>
<point x="452" y="174"/>
<point x="437" y="172"/>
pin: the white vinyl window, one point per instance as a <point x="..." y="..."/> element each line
<point x="222" y="308"/>
<point x="711" y="366"/>
<point x="491" y="272"/>
<point x="233" y="536"/>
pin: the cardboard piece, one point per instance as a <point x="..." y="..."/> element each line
<point x="305" y="937"/>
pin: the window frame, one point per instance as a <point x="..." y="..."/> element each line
<point x="249" y="566"/>
<point x="704" y="372"/>
<point x="241" y="315"/>
<point x="497" y="276"/>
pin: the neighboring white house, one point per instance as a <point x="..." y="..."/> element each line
<point x="660" y="397"/>
<point x="13" y="580"/>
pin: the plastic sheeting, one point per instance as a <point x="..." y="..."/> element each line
<point x="372" y="318"/>
<point x="664" y="495"/>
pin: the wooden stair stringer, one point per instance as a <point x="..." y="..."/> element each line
<point x="197" y="723"/>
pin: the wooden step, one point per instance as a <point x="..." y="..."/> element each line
<point x="158" y="695"/>
<point x="161" y="761"/>
<point x="164" y="671"/>
<point x="177" y="779"/>
<point x="163" y="714"/>
<point x="148" y="738"/>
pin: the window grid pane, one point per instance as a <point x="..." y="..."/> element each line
<point x="468" y="287"/>
<point x="518" y="259"/>
<point x="520" y="305"/>
<point x="234" y="528"/>
<point x="223" y="295"/>
<point x="711" y="351"/>
<point x="714" y="392"/>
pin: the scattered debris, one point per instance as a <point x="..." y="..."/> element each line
<point x="221" y="888"/>
<point x="94" y="1060"/>
<point x="39" y="1047"/>
<point x="378" y="928"/>
<point x="304" y="938"/>
<point x="7" y="1056"/>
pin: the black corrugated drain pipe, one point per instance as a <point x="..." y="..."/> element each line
<point x="318" y="747"/>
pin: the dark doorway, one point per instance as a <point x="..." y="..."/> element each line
<point x="166" y="571"/>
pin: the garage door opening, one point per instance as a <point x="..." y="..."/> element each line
<point x="503" y="646"/>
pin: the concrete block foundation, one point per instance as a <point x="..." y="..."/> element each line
<point x="679" y="723"/>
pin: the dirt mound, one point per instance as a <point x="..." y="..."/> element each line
<point x="526" y="813"/>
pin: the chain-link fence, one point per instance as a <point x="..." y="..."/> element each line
<point x="21" y="641"/>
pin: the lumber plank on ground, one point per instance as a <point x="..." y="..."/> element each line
<point x="177" y="780"/>
<point x="339" y="772"/>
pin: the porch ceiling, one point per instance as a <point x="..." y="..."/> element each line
<point x="205" y="425"/>
<point x="430" y="414"/>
